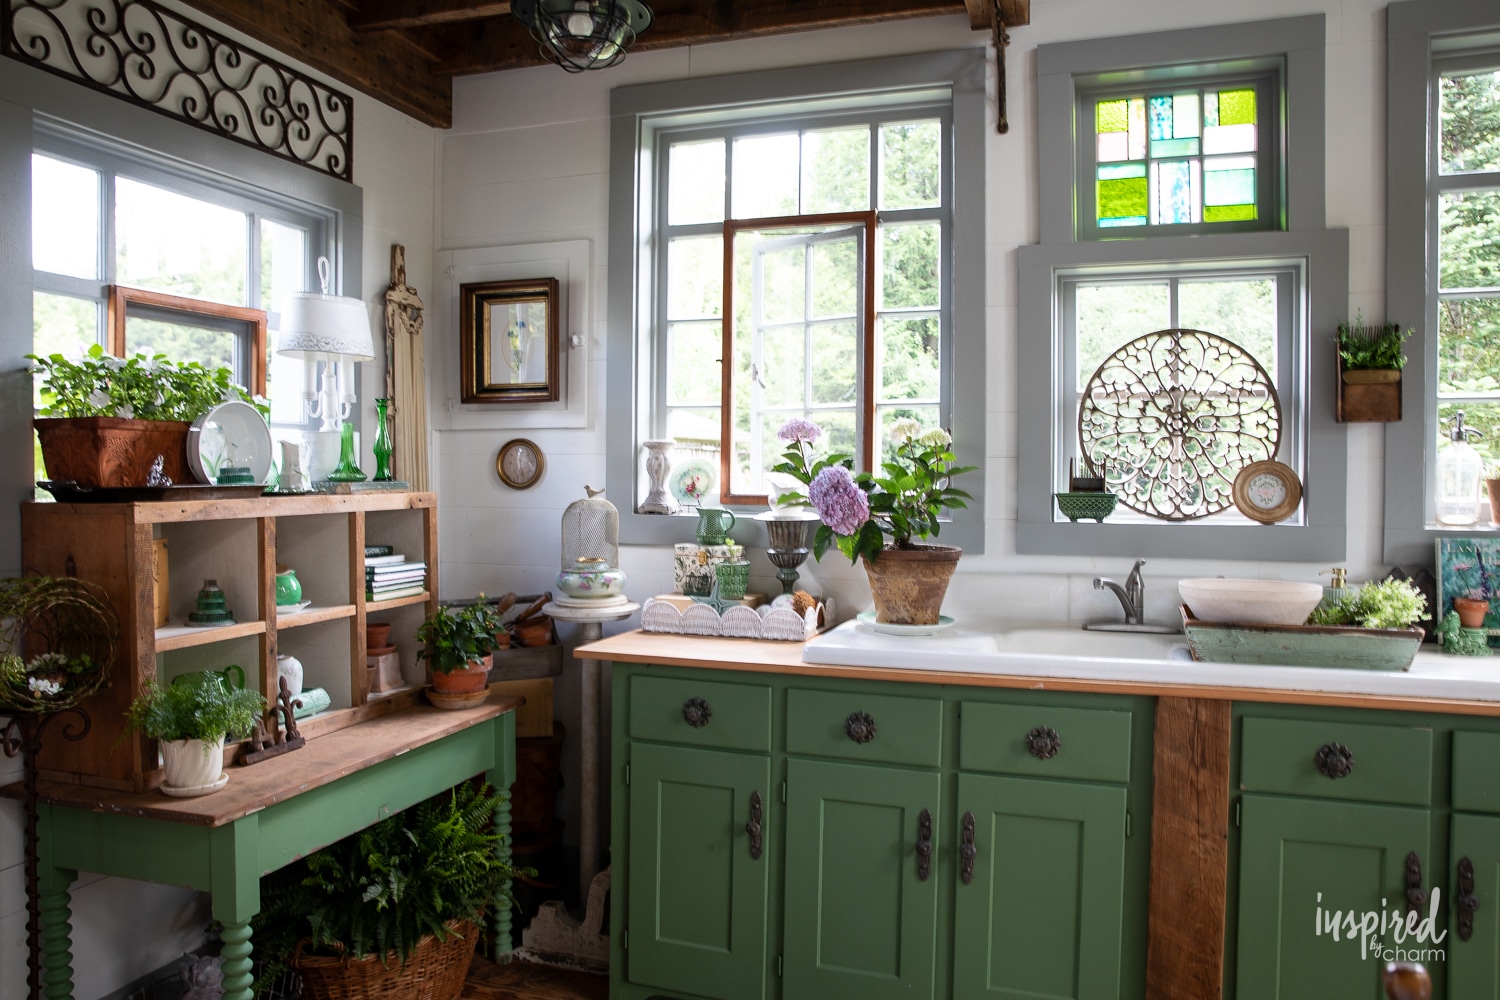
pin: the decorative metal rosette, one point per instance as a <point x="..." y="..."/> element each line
<point x="1172" y="417"/>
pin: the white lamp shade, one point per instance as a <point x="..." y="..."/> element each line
<point x="325" y="328"/>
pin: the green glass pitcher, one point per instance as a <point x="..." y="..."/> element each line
<point x="714" y="524"/>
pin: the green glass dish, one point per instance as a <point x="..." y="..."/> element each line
<point x="1091" y="506"/>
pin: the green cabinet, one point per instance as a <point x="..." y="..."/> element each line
<point x="1474" y="964"/>
<point x="1301" y="861"/>
<point x="698" y="900"/>
<point x="1041" y="914"/>
<point x="861" y="911"/>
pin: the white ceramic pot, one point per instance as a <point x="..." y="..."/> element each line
<point x="1256" y="602"/>
<point x="291" y="668"/>
<point x="192" y="763"/>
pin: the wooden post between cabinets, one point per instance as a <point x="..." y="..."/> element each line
<point x="1189" y="849"/>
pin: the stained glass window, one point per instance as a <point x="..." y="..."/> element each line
<point x="1183" y="157"/>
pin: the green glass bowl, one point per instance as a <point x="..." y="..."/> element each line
<point x="1094" y="506"/>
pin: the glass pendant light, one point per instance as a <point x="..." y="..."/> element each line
<point x="580" y="35"/>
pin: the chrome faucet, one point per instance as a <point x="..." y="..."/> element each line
<point x="1133" y="599"/>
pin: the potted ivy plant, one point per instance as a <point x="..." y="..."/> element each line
<point x="192" y="720"/>
<point x="908" y="579"/>
<point x="393" y="910"/>
<point x="1370" y="363"/>
<point x="457" y="644"/>
<point x="105" y="419"/>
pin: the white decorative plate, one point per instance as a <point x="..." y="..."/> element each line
<point x="692" y="480"/>
<point x="234" y="433"/>
<point x="868" y="618"/>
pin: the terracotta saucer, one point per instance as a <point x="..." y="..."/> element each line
<point x="456" y="702"/>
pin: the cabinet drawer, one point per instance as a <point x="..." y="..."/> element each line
<point x="1391" y="763"/>
<point x="907" y="730"/>
<point x="739" y="715"/>
<point x="1093" y="745"/>
<point x="1476" y="772"/>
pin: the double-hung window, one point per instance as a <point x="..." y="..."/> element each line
<point x="823" y="240"/>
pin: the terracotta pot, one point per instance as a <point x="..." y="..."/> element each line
<point x="502" y="640"/>
<point x="1493" y="486"/>
<point x="908" y="585"/>
<point x="1471" y="611"/>
<point x="113" y="451"/>
<point x="535" y="631"/>
<point x="473" y="678"/>
<point x="377" y="635"/>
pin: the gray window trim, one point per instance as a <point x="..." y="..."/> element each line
<point x="640" y="112"/>
<point x="1323" y="256"/>
<point x="1419" y="33"/>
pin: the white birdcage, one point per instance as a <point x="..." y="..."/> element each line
<point x="591" y="530"/>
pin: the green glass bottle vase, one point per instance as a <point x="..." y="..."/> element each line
<point x="383" y="446"/>
<point x="348" y="470"/>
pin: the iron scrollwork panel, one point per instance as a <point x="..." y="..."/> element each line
<point x="153" y="57"/>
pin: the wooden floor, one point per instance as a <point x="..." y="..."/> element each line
<point x="524" y="981"/>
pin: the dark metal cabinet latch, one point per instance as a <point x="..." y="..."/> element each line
<point x="696" y="712"/>
<point x="860" y="726"/>
<point x="1467" y="901"/>
<point x="1334" y="760"/>
<point x="924" y="845"/>
<point x="1416" y="896"/>
<point x="753" y="828"/>
<point x="967" y="851"/>
<point x="1043" y="743"/>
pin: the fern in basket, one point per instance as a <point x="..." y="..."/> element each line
<point x="382" y="889"/>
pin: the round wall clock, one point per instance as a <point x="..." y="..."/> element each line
<point x="520" y="464"/>
<point x="1267" y="491"/>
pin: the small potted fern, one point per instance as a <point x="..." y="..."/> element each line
<point x="192" y="720"/>
<point x="392" y="910"/>
<point x="1370" y="363"/>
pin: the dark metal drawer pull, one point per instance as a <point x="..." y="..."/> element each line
<point x="924" y="845"/>
<point x="860" y="726"/>
<point x="967" y="851"/>
<point x="696" y="712"/>
<point x="1467" y="901"/>
<point x="753" y="828"/>
<point x="1043" y="743"/>
<point x="1334" y="760"/>
<point x="1416" y="896"/>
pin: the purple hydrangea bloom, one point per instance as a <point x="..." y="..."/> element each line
<point x="840" y="503"/>
<point x="798" y="429"/>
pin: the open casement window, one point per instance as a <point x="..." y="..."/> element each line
<point x="1465" y="193"/>
<point x="1179" y="157"/>
<point x="212" y="333"/>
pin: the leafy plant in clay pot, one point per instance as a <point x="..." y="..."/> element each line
<point x="457" y="643"/>
<point x="192" y="721"/>
<point x="883" y="519"/>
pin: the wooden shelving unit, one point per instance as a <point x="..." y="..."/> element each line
<point x="238" y="543"/>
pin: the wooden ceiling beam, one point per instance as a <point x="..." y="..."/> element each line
<point x="387" y="66"/>
<point x="1015" y="13"/>
<point x="507" y="44"/>
<point x="980" y="13"/>
<point x="386" y="15"/>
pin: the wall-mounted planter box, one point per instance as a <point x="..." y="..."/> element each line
<point x="1369" y="396"/>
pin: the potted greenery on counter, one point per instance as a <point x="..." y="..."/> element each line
<point x="457" y="643"/>
<point x="391" y="908"/>
<point x="1370" y="363"/>
<point x="192" y="720"/>
<point x="105" y="419"/>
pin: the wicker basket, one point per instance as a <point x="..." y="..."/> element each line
<point x="435" y="970"/>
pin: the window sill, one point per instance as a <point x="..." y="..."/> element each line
<point x="1259" y="542"/>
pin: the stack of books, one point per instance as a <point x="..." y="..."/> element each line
<point x="388" y="575"/>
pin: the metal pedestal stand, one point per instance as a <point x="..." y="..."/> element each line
<point x="554" y="932"/>
<point x="23" y="736"/>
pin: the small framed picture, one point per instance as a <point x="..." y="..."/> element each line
<point x="509" y="341"/>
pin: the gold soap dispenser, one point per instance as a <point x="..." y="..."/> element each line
<point x="1337" y="590"/>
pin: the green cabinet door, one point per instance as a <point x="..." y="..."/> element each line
<point x="1041" y="916"/>
<point x="1474" y="965"/>
<point x="1300" y="861"/>
<point x="860" y="919"/>
<point x="697" y="905"/>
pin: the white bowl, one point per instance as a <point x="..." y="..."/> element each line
<point x="1257" y="602"/>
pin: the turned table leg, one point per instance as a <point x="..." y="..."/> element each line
<point x="56" y="927"/>
<point x="236" y="955"/>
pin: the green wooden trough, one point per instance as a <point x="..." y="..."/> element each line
<point x="1337" y="646"/>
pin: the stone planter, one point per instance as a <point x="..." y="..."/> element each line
<point x="470" y="680"/>
<point x="908" y="585"/>
<point x="113" y="451"/>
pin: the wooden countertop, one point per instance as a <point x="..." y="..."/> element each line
<point x="772" y="657"/>
<point x="322" y="761"/>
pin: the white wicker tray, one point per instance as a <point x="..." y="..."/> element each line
<point x="737" y="622"/>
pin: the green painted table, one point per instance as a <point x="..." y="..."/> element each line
<point x="268" y="816"/>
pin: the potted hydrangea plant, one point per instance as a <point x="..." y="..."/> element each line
<point x="881" y="520"/>
<point x="105" y="419"/>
